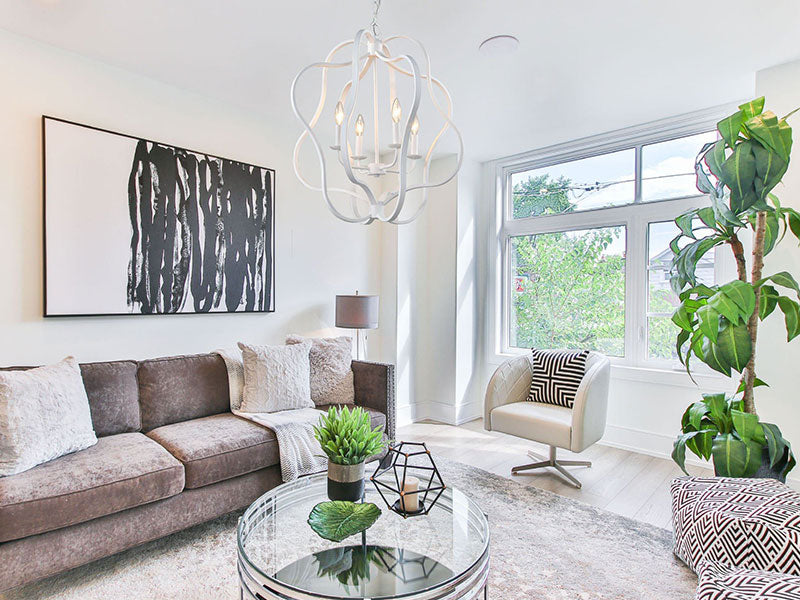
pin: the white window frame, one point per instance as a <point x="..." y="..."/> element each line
<point x="635" y="217"/>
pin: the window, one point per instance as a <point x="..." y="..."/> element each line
<point x="584" y="239"/>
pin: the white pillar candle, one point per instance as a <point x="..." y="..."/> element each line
<point x="409" y="499"/>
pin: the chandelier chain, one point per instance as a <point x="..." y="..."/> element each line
<point x="376" y="8"/>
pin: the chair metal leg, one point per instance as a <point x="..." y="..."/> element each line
<point x="558" y="465"/>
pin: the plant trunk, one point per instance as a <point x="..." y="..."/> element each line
<point x="738" y="254"/>
<point x="749" y="375"/>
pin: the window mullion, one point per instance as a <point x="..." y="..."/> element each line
<point x="635" y="297"/>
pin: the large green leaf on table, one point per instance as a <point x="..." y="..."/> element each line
<point x="742" y="295"/>
<point x="770" y="169"/>
<point x="791" y="313"/>
<point x="738" y="172"/>
<point x="747" y="426"/>
<point x="708" y="321"/>
<point x="679" y="446"/>
<point x="768" y="301"/>
<point x="734" y="457"/>
<point x="753" y="107"/>
<point x="735" y="345"/>
<point x="773" y="133"/>
<point x="338" y="519"/>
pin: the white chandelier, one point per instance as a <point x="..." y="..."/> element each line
<point x="388" y="166"/>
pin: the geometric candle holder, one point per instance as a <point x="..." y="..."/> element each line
<point x="403" y="461"/>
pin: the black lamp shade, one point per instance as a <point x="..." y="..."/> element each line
<point x="357" y="312"/>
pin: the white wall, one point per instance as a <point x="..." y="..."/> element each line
<point x="317" y="255"/>
<point x="777" y="362"/>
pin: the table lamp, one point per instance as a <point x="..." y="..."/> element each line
<point x="357" y="312"/>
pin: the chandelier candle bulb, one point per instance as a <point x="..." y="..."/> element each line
<point x="338" y="117"/>
<point x="413" y="151"/>
<point x="397" y="113"/>
<point x="409" y="499"/>
<point x="359" y="153"/>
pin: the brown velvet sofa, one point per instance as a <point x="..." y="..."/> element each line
<point x="169" y="455"/>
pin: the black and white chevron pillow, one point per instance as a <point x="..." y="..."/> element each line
<point x="557" y="374"/>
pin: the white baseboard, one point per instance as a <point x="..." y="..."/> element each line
<point x="658" y="445"/>
<point x="411" y="413"/>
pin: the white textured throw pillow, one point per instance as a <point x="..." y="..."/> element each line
<point x="331" y="371"/>
<point x="276" y="378"/>
<point x="44" y="414"/>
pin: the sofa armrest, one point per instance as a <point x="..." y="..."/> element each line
<point x="591" y="403"/>
<point x="511" y="382"/>
<point x="374" y="388"/>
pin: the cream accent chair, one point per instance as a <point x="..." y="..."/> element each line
<point x="507" y="410"/>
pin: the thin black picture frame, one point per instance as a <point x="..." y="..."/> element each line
<point x="273" y="300"/>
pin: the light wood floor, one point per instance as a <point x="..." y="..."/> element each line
<point x="627" y="483"/>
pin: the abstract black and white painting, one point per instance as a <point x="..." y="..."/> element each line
<point x="134" y="226"/>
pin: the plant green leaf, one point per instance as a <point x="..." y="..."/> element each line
<point x="775" y="443"/>
<point x="708" y="321"/>
<point x="772" y="133"/>
<point x="681" y="318"/>
<point x="791" y="313"/>
<point x="746" y="425"/>
<point x="718" y="411"/>
<point x="752" y="108"/>
<point x="679" y="447"/>
<point x="738" y="172"/>
<point x="735" y="345"/>
<point x="770" y="169"/>
<point x="338" y="520"/>
<point x="730" y="126"/>
<point x="725" y="306"/>
<point x="783" y="279"/>
<point x="713" y="357"/>
<point x="768" y="301"/>
<point x="742" y="295"/>
<point x="734" y="457"/>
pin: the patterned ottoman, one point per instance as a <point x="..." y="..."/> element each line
<point x="732" y="583"/>
<point x="749" y="523"/>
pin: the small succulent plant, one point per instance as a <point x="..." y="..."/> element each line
<point x="346" y="436"/>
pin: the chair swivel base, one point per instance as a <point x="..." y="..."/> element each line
<point x="558" y="465"/>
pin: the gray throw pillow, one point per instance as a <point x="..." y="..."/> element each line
<point x="276" y="378"/>
<point x="331" y="370"/>
<point x="44" y="414"/>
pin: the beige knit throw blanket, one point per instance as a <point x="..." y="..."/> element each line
<point x="300" y="452"/>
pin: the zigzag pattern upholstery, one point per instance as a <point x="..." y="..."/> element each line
<point x="556" y="376"/>
<point x="748" y="523"/>
<point x="733" y="583"/>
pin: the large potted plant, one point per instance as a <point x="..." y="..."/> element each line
<point x="348" y="440"/>
<point x="719" y="323"/>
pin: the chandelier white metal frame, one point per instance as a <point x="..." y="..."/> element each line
<point x="368" y="51"/>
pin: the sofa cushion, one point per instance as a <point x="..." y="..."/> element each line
<point x="180" y="388"/>
<point x="119" y="472"/>
<point x="218" y="447"/>
<point x="113" y="392"/>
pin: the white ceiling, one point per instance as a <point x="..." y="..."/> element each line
<point x="583" y="67"/>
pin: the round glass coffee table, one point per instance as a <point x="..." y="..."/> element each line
<point x="443" y="555"/>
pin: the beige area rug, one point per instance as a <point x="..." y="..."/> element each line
<point x="543" y="546"/>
